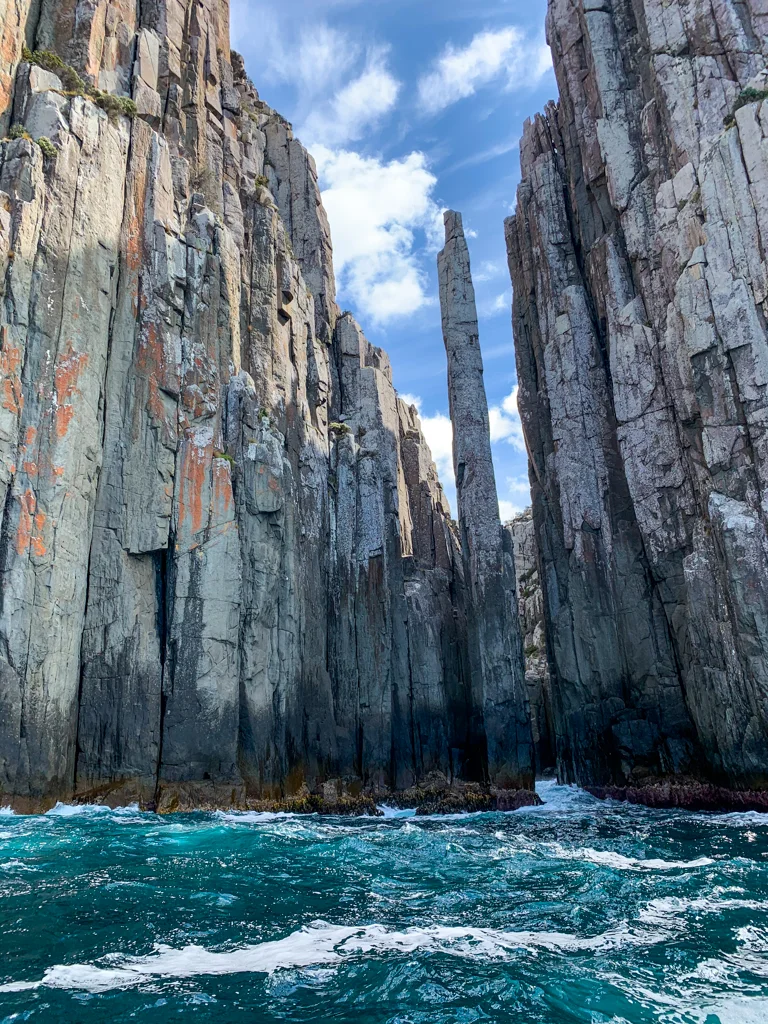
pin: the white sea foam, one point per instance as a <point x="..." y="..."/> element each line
<point x="322" y="944"/>
<point x="16" y="865"/>
<point x="397" y="812"/>
<point x="736" y="818"/>
<point x="611" y="859"/>
<point x="7" y="812"/>
<point x="559" y="798"/>
<point x="253" y="817"/>
<point x="665" y="910"/>
<point x="78" y="810"/>
<point x="737" y="1011"/>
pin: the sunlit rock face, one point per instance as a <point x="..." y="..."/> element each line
<point x="638" y="259"/>
<point x="229" y="572"/>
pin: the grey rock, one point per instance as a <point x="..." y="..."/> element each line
<point x="530" y="599"/>
<point x="495" y="647"/>
<point x="228" y="573"/>
<point x="639" y="306"/>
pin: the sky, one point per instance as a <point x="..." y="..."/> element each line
<point x="411" y="107"/>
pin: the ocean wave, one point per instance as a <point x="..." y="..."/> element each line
<point x="735" y="818"/>
<point x="85" y="810"/>
<point x="396" y="812"/>
<point x="16" y="865"/>
<point x="620" y="862"/>
<point x="253" y="817"/>
<point x="322" y="944"/>
<point x="746" y="1010"/>
<point x="666" y="910"/>
<point x="557" y="798"/>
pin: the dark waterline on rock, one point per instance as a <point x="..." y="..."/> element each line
<point x="577" y="911"/>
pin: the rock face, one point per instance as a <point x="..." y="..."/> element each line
<point x="229" y="574"/>
<point x="530" y="602"/>
<point x="495" y="648"/>
<point x="638" y="257"/>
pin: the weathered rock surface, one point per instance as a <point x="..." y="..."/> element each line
<point x="228" y="573"/>
<point x="495" y="647"/>
<point x="530" y="601"/>
<point x="638" y="256"/>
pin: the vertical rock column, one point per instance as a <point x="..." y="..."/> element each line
<point x="530" y="599"/>
<point x="496" y="657"/>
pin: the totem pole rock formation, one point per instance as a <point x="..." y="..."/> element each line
<point x="495" y="647"/>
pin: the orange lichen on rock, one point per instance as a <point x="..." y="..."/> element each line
<point x="38" y="547"/>
<point x="10" y="52"/>
<point x="10" y="365"/>
<point x="69" y="366"/>
<point x="31" y="526"/>
<point x="195" y="463"/>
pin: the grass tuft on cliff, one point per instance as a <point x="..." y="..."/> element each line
<point x="745" y="97"/>
<point x="18" y="131"/>
<point x="47" y="148"/>
<point x="74" y="85"/>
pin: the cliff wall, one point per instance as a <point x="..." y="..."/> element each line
<point x="228" y="572"/>
<point x="638" y="257"/>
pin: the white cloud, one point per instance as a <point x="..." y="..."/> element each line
<point x="519" y="485"/>
<point x="497" y="305"/>
<point x="438" y="431"/>
<point x="459" y="73"/>
<point x="375" y="208"/>
<point x="354" y="107"/>
<point x="315" y="60"/>
<point x="487" y="154"/>
<point x="342" y="88"/>
<point x="505" y="422"/>
<point x="509" y="510"/>
<point x="324" y="56"/>
<point x="518" y="498"/>
<point x="489" y="270"/>
<point x="410" y="399"/>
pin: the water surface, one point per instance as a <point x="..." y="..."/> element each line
<point x="578" y="911"/>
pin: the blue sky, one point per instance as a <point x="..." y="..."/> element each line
<point x="409" y="107"/>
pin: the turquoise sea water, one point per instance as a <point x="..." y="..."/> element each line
<point x="576" y="911"/>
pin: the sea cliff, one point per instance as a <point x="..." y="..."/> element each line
<point x="638" y="257"/>
<point x="229" y="576"/>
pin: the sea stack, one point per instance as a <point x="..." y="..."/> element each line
<point x="495" y="647"/>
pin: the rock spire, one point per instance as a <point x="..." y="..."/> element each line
<point x="495" y="646"/>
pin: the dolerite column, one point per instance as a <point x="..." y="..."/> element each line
<point x="496" y="656"/>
